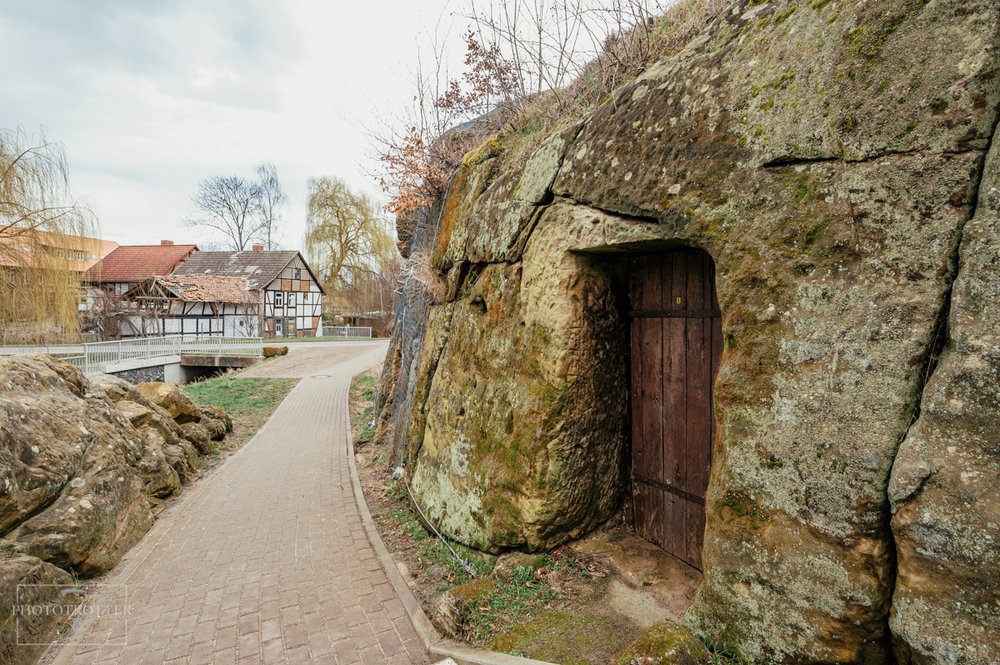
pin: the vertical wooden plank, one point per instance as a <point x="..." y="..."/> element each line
<point x="639" y="509"/>
<point x="697" y="527"/>
<point x="655" y="299"/>
<point x="697" y="416"/>
<point x="667" y="443"/>
<point x="674" y="389"/>
<point x="699" y="379"/>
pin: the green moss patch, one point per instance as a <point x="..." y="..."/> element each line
<point x="564" y="637"/>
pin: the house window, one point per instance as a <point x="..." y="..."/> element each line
<point x="298" y="273"/>
<point x="279" y="299"/>
<point x="291" y="299"/>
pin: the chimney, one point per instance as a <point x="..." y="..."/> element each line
<point x="258" y="248"/>
<point x="166" y="242"/>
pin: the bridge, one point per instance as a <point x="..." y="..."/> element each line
<point x="172" y="353"/>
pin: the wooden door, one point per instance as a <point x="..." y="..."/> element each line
<point x="676" y="348"/>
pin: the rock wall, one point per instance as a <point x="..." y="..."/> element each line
<point x="85" y="463"/>
<point x="832" y="158"/>
<point x="945" y="478"/>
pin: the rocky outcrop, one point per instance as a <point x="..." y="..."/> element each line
<point x="169" y="457"/>
<point x="74" y="495"/>
<point x="829" y="156"/>
<point x="216" y="421"/>
<point x="33" y="603"/>
<point x="83" y="462"/>
<point x="944" y="481"/>
<point x="173" y="400"/>
<point x="273" y="351"/>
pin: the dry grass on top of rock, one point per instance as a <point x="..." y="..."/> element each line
<point x="622" y="58"/>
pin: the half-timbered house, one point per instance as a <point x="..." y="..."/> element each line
<point x="291" y="296"/>
<point x="200" y="305"/>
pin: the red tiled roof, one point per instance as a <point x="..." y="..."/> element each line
<point x="209" y="288"/>
<point x="134" y="263"/>
<point x="260" y="269"/>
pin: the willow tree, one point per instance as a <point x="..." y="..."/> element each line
<point x="350" y="244"/>
<point x="42" y="249"/>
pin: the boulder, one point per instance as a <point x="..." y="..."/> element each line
<point x="70" y="463"/>
<point x="83" y="461"/>
<point x="200" y="437"/>
<point x="829" y="156"/>
<point x="173" y="400"/>
<point x="169" y="458"/>
<point x="455" y="607"/>
<point x="272" y="351"/>
<point x="667" y="644"/>
<point x="32" y="605"/>
<point x="216" y="421"/>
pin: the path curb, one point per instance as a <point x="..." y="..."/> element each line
<point x="436" y="644"/>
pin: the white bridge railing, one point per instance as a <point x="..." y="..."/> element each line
<point x="97" y="356"/>
<point x="346" y="331"/>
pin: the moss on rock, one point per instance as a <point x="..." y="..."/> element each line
<point x="666" y="644"/>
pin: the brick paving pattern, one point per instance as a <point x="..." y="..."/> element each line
<point x="266" y="560"/>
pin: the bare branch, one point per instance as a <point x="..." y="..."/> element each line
<point x="230" y="205"/>
<point x="272" y="200"/>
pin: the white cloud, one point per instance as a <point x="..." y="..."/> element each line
<point x="150" y="97"/>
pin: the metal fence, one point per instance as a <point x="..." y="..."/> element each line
<point x="346" y="331"/>
<point x="97" y="356"/>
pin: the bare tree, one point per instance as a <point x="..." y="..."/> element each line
<point x="272" y="200"/>
<point x="230" y="205"/>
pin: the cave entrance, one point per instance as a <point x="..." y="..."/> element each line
<point x="676" y="337"/>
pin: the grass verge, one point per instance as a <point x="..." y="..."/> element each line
<point x="250" y="402"/>
<point x="363" y="406"/>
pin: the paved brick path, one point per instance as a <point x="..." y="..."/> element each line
<point x="266" y="560"/>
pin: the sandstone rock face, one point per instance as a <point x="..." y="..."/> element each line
<point x="173" y="400"/>
<point x="200" y="438"/>
<point x="28" y="583"/>
<point x="169" y="458"/>
<point x="82" y="459"/>
<point x="945" y="478"/>
<point x="216" y="421"/>
<point x="843" y="198"/>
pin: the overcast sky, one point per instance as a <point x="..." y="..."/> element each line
<point x="149" y="97"/>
